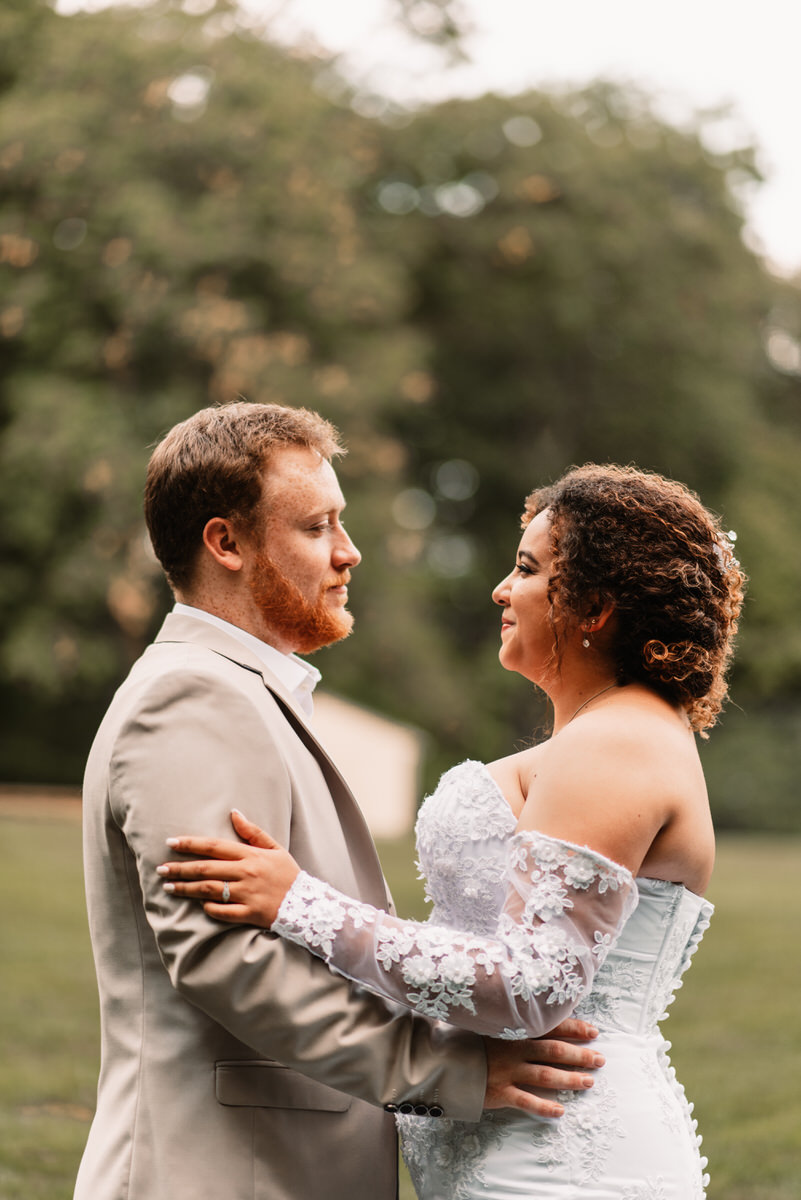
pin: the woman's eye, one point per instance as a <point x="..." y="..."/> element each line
<point x="523" y="569"/>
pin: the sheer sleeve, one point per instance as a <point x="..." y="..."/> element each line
<point x="565" y="906"/>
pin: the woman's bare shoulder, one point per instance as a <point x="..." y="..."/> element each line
<point x="612" y="779"/>
<point x="645" y="727"/>
<point x="512" y="773"/>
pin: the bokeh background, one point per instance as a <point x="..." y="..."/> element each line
<point x="200" y="203"/>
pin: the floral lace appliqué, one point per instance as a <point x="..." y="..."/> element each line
<point x="649" y="1189"/>
<point x="452" y="1152"/>
<point x="462" y="833"/>
<point x="564" y="907"/>
<point x="584" y="1136"/>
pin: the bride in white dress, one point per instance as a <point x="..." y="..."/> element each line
<point x="568" y="877"/>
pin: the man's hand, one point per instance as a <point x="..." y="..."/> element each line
<point x="514" y="1067"/>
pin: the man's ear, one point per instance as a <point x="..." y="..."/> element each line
<point x="223" y="544"/>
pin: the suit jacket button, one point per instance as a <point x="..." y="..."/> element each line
<point x="421" y="1110"/>
<point x="406" y="1108"/>
<point x="435" y="1111"/>
<point x="390" y="1108"/>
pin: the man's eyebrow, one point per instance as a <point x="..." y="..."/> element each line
<point x="319" y="513"/>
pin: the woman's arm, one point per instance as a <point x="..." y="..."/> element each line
<point x="565" y="906"/>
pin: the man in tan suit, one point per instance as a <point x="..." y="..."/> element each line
<point x="234" y="1065"/>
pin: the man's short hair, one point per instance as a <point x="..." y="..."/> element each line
<point x="212" y="465"/>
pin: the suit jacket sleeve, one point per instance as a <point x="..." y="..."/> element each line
<point x="178" y="766"/>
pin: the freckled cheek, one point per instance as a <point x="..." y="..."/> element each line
<point x="311" y="581"/>
<point x="307" y="560"/>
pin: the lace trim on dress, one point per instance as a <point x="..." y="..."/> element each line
<point x="584" y="1137"/>
<point x="461" y="833"/>
<point x="565" y="905"/>
<point x="452" y="1151"/>
<point x="468" y="818"/>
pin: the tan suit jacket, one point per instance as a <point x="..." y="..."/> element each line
<point x="234" y="1065"/>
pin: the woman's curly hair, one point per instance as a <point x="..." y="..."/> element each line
<point x="647" y="544"/>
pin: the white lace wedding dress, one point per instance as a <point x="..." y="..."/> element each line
<point x="524" y="930"/>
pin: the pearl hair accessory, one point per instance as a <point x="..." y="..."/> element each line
<point x="723" y="547"/>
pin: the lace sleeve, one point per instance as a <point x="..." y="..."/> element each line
<point x="565" y="906"/>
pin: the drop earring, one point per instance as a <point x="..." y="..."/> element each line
<point x="585" y="641"/>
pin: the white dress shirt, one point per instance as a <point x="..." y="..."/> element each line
<point x="298" y="677"/>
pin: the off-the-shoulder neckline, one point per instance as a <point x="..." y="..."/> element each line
<point x="646" y="879"/>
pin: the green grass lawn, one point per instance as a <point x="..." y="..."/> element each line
<point x="735" y="1026"/>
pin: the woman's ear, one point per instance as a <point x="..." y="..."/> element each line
<point x="221" y="541"/>
<point x="597" y="617"/>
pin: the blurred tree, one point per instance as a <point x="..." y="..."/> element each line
<point x="442" y="23"/>
<point x="479" y="295"/>
<point x="581" y="276"/>
<point x="177" y="229"/>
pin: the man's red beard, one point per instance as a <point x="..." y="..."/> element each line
<point x="304" y="626"/>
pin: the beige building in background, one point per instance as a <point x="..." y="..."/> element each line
<point x="381" y="760"/>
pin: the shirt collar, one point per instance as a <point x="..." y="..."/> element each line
<point x="298" y="677"/>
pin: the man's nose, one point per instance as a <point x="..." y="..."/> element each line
<point x="346" y="554"/>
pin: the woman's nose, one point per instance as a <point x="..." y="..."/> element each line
<point x="500" y="593"/>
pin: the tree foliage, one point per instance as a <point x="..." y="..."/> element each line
<point x="479" y="294"/>
<point x="587" y="295"/>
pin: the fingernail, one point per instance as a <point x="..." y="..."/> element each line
<point x="599" y="1060"/>
<point x="173" y="841"/>
<point x="168" y="887"/>
<point x="588" y="1081"/>
<point x="163" y="869"/>
<point x="593" y="1031"/>
<point x="239" y="813"/>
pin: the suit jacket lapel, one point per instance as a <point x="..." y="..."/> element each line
<point x="366" y="865"/>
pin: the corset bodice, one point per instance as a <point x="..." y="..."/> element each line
<point x="463" y="831"/>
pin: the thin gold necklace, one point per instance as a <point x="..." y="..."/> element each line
<point x="589" y="700"/>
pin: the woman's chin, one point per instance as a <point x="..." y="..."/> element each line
<point x="507" y="659"/>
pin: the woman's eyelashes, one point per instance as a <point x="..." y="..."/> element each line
<point x="523" y="569"/>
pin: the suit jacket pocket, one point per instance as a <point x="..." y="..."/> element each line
<point x="263" y="1084"/>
